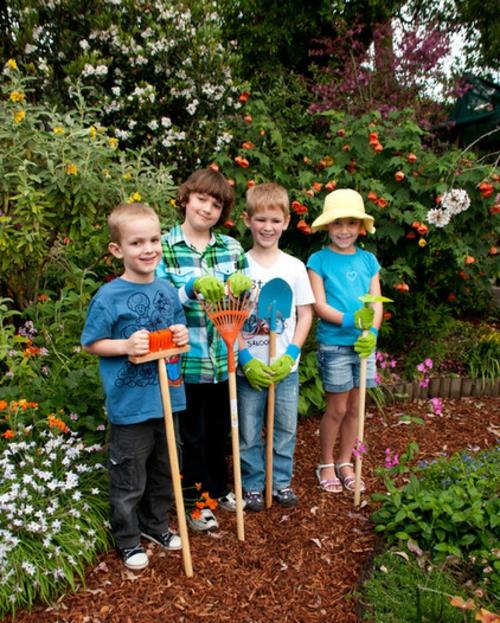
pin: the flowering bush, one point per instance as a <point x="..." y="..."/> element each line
<point x="60" y="175"/>
<point x="160" y="73"/>
<point x="53" y="505"/>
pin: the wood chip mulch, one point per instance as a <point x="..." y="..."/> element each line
<point x="299" y="565"/>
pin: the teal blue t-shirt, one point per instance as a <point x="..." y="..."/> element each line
<point x="345" y="278"/>
<point x="117" y="310"/>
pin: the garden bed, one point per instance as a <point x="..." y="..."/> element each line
<point x="299" y="565"/>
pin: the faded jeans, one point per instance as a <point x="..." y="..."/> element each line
<point x="252" y="415"/>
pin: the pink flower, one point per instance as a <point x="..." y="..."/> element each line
<point x="428" y="362"/>
<point x="437" y="406"/>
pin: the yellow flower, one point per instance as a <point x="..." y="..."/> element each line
<point x="173" y="202"/>
<point x="11" y="63"/>
<point x="422" y="242"/>
<point x="92" y="132"/>
<point x="58" y="130"/>
<point x="134" y="197"/>
<point x="19" y="116"/>
<point x="71" y="169"/>
<point x="127" y="177"/>
<point x="17" y="96"/>
<point x="113" y="142"/>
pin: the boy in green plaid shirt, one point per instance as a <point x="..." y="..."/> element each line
<point x="196" y="259"/>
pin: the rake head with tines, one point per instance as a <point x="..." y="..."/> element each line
<point x="228" y="316"/>
<point x="161" y="344"/>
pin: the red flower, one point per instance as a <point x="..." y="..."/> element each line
<point x="411" y="235"/>
<point x="341" y="132"/>
<point x="317" y="186"/>
<point x="377" y="147"/>
<point x="402" y="287"/>
<point x="469" y="259"/>
<point x="248" y="118"/>
<point x="382" y="203"/>
<point x="214" y="166"/>
<point x="298" y="208"/>
<point x="250" y="183"/>
<point x="303" y="227"/>
<point x="422" y="229"/>
<point x="372" y="196"/>
<point x="248" y="145"/>
<point x="373" y="138"/>
<point x="229" y="223"/>
<point x="399" y="176"/>
<point x="331" y="185"/>
<point x="411" y="158"/>
<point x="387" y="315"/>
<point x="452" y="297"/>
<point x="244" y="96"/>
<point x="242" y="162"/>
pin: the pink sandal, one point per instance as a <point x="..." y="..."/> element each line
<point x="333" y="485"/>
<point x="348" y="481"/>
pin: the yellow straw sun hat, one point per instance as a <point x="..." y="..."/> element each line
<point x="343" y="203"/>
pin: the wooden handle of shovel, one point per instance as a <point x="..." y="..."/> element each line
<point x="361" y="427"/>
<point x="174" y="468"/>
<point x="271" y="394"/>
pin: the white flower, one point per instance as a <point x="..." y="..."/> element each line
<point x="455" y="201"/>
<point x="29" y="49"/>
<point x="84" y="44"/>
<point x="437" y="217"/>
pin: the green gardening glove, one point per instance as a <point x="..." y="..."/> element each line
<point x="366" y="344"/>
<point x="282" y="367"/>
<point x="238" y="283"/>
<point x="363" y="317"/>
<point x="257" y="373"/>
<point x="210" y="288"/>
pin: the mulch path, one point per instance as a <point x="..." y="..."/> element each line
<point x="300" y="565"/>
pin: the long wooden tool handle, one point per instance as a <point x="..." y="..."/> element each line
<point x="271" y="396"/>
<point x="236" y="455"/>
<point x="361" y="428"/>
<point x="174" y="468"/>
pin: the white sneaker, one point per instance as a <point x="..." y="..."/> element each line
<point x="134" y="558"/>
<point x="228" y="502"/>
<point x="206" y="522"/>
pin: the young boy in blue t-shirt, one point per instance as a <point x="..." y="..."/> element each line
<point x="119" y="319"/>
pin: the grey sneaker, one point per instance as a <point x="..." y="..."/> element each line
<point x="254" y="501"/>
<point x="134" y="558"/>
<point x="285" y="496"/>
<point x="228" y="502"/>
<point x="168" y="540"/>
<point x="206" y="523"/>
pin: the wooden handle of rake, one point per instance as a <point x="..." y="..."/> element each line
<point x="361" y="427"/>
<point x="235" y="442"/>
<point x="174" y="468"/>
<point x="271" y="395"/>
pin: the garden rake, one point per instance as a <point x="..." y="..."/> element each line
<point x="228" y="316"/>
<point x="161" y="346"/>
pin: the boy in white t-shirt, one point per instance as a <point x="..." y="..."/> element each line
<point x="267" y="215"/>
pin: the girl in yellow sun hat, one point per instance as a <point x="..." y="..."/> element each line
<point x="340" y="273"/>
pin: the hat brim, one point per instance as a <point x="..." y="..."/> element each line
<point x="323" y="220"/>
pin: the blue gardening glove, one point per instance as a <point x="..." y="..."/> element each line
<point x="257" y="373"/>
<point x="282" y="367"/>
<point x="239" y="282"/>
<point x="209" y="287"/>
<point x="366" y="344"/>
<point x="361" y="319"/>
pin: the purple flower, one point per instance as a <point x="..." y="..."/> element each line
<point x="437" y="405"/>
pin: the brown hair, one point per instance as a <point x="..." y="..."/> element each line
<point x="207" y="182"/>
<point x="124" y="212"/>
<point x="270" y="195"/>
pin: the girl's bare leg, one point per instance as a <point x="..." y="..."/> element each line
<point x="330" y="425"/>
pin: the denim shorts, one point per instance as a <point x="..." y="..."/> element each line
<point x="339" y="368"/>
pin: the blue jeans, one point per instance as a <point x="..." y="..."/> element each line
<point x="252" y="418"/>
<point x="339" y="368"/>
<point x="140" y="488"/>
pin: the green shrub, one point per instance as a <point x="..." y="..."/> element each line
<point x="451" y="509"/>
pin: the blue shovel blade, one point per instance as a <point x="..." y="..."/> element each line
<point x="275" y="302"/>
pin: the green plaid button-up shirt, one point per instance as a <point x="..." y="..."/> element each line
<point x="206" y="362"/>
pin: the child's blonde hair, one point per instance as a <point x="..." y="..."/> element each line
<point x="207" y="182"/>
<point x="269" y="195"/>
<point x="125" y="212"/>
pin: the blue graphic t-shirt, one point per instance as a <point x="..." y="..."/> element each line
<point x="117" y="310"/>
<point x="345" y="278"/>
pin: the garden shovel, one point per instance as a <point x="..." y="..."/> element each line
<point x="274" y="306"/>
<point x="366" y="299"/>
